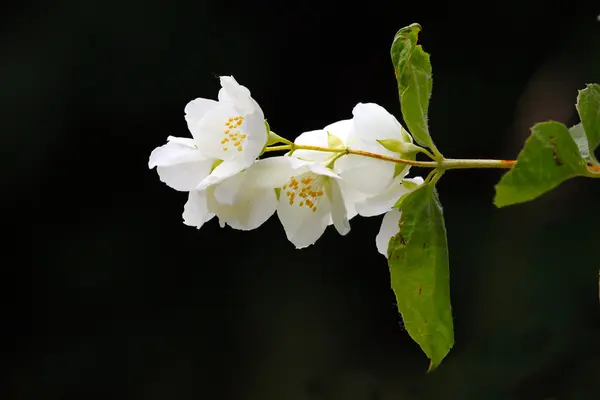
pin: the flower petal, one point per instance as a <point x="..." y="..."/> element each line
<point x="351" y="197"/>
<point x="195" y="211"/>
<point x="256" y="139"/>
<point x="273" y="172"/>
<point x="185" y="176"/>
<point x="258" y="208"/>
<point x="224" y="133"/>
<point x="368" y="175"/>
<point x="227" y="191"/>
<point x="312" y="138"/>
<point x="338" y="209"/>
<point x="178" y="165"/>
<point x="304" y="218"/>
<point x="389" y="227"/>
<point x="223" y="171"/>
<point x="383" y="202"/>
<point x="252" y="208"/>
<point x="188" y="142"/>
<point x="320" y="169"/>
<point x="247" y="209"/>
<point x="232" y="92"/>
<point x="372" y="122"/>
<point x="342" y="129"/>
<point x="176" y="151"/>
<point x="196" y="109"/>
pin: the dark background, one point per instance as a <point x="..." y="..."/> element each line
<point x="109" y="295"/>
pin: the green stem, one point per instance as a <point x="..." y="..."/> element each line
<point x="428" y="153"/>
<point x="443" y="165"/>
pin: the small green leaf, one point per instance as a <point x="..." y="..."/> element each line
<point x="410" y="185"/>
<point x="216" y="163"/>
<point x="400" y="168"/>
<point x="334" y="142"/>
<point x="418" y="260"/>
<point x="274" y="138"/>
<point x="550" y="156"/>
<point x="400" y="147"/>
<point x="413" y="74"/>
<point x="393" y="145"/>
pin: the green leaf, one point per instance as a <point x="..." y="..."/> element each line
<point x="413" y="74"/>
<point x="334" y="142"/>
<point x="418" y="259"/>
<point x="550" y="156"/>
<point x="588" y="107"/>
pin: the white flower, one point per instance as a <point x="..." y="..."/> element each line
<point x="309" y="197"/>
<point x="228" y="136"/>
<point x="229" y="133"/>
<point x="365" y="175"/>
<point x="231" y="130"/>
<point x="237" y="201"/>
<point x="391" y="220"/>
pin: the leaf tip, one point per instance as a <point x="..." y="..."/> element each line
<point x="432" y="367"/>
<point x="415" y="26"/>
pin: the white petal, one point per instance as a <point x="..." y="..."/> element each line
<point x="312" y="138"/>
<point x="342" y="129"/>
<point x="185" y="176"/>
<point x="188" y="142"/>
<point x="351" y="197"/>
<point x="257" y="135"/>
<point x="273" y="172"/>
<point x="338" y="208"/>
<point x="389" y="227"/>
<point x="320" y="169"/>
<point x="238" y="95"/>
<point x="212" y="132"/>
<point x="176" y="151"/>
<point x="178" y="165"/>
<point x="195" y="211"/>
<point x="368" y="175"/>
<point x="245" y="207"/>
<point x="224" y="133"/>
<point x="253" y="208"/>
<point x="304" y="222"/>
<point x="260" y="208"/>
<point x="226" y="191"/>
<point x="383" y="202"/>
<point x="225" y="170"/>
<point x="371" y="122"/>
<point x="196" y="109"/>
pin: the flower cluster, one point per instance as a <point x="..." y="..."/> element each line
<point x="319" y="182"/>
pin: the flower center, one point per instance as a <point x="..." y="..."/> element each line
<point x="234" y="138"/>
<point x="304" y="192"/>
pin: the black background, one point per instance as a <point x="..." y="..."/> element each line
<point x="109" y="295"/>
